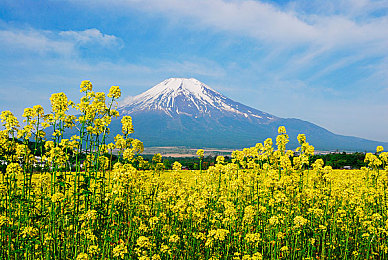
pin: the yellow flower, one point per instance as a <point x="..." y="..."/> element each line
<point x="268" y="144"/>
<point x="9" y="120"/>
<point x="114" y="92"/>
<point x="120" y="142"/>
<point x="200" y="153"/>
<point x="28" y="113"/>
<point x="59" y="104"/>
<point x="301" y="139"/>
<point x="48" y="239"/>
<point x="82" y="256"/>
<point x="372" y="160"/>
<point x="165" y="249"/>
<point x="143" y="242"/>
<point x="14" y="169"/>
<point x="114" y="113"/>
<point x="93" y="250"/>
<point x="257" y="256"/>
<point x="110" y="146"/>
<point x="128" y="154"/>
<point x="153" y="221"/>
<point x="127" y="127"/>
<point x="4" y="220"/>
<point x="365" y="235"/>
<point x="199" y="236"/>
<point x="58" y="197"/>
<point x="176" y="166"/>
<point x="156" y="257"/>
<point x="85" y="86"/>
<point x="89" y="215"/>
<point x="376" y="217"/>
<point x="252" y="238"/>
<point x="281" y="235"/>
<point x="211" y="237"/>
<point x="173" y="239"/>
<point x="157" y="158"/>
<point x="29" y="232"/>
<point x="284" y="249"/>
<point x="220" y="159"/>
<point x="249" y="214"/>
<point x="300" y="221"/>
<point x="307" y="148"/>
<point x="120" y="250"/>
<point x="137" y="146"/>
<point x="281" y="130"/>
<point x="273" y="221"/>
<point x="38" y="110"/>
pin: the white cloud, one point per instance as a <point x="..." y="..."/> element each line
<point x="338" y="25"/>
<point x="319" y="28"/>
<point x="252" y="18"/>
<point x="62" y="43"/>
<point x="90" y="36"/>
<point x="35" y="41"/>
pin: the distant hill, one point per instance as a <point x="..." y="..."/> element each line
<point x="186" y="112"/>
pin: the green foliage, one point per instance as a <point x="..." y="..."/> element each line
<point x="339" y="160"/>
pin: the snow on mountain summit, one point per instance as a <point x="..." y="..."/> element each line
<point x="170" y="89"/>
<point x="182" y="96"/>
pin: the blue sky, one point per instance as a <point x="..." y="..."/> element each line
<point x="321" y="61"/>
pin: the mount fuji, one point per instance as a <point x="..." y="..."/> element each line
<point x="179" y="96"/>
<point x="187" y="112"/>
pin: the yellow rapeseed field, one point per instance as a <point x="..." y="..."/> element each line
<point x="268" y="203"/>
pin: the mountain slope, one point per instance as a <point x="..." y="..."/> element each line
<point x="186" y="112"/>
<point x="180" y="96"/>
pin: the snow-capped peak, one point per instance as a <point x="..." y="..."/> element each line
<point x="179" y="84"/>
<point x="190" y="97"/>
<point x="171" y="88"/>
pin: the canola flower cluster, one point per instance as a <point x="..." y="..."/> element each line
<point x="268" y="203"/>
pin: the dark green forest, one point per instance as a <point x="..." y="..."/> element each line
<point x="338" y="160"/>
<point x="335" y="160"/>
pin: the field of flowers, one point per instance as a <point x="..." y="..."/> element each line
<point x="268" y="203"/>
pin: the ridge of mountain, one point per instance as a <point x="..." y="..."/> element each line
<point x="187" y="112"/>
<point x="181" y="96"/>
